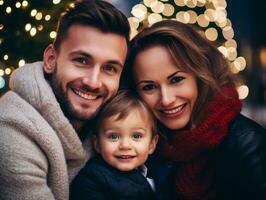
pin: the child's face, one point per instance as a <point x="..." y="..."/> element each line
<point x="126" y="144"/>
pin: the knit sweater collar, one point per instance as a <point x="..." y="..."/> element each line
<point x="29" y="82"/>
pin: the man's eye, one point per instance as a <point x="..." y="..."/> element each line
<point x="177" y="79"/>
<point x="81" y="60"/>
<point x="148" y="87"/>
<point x="110" y="69"/>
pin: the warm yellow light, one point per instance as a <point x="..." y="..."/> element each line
<point x="192" y="3"/>
<point x="221" y="24"/>
<point x="219" y="4"/>
<point x="148" y="2"/>
<point x="263" y="57"/>
<point x="211" y="34"/>
<point x="134" y="22"/>
<point x="243" y="91"/>
<point x="232" y="53"/>
<point x="241" y="62"/>
<point x="234" y="68"/>
<point x="139" y="11"/>
<point x="210" y="15"/>
<point x="157" y="7"/>
<point x="56" y="1"/>
<point x="192" y="16"/>
<point x="8" y="71"/>
<point x="2" y="27"/>
<point x="202" y="21"/>
<point x="8" y="10"/>
<point x="2" y="72"/>
<point x="28" y="27"/>
<point x="183" y="17"/>
<point x="181" y="3"/>
<point x="18" y="5"/>
<point x="40" y="27"/>
<point x="223" y="50"/>
<point x="38" y="16"/>
<point x="25" y="3"/>
<point x="33" y="31"/>
<point x="168" y="10"/>
<point x="33" y="12"/>
<point x="154" y="17"/>
<point x="21" y="63"/>
<point x="228" y="32"/>
<point x="230" y="43"/>
<point x="1" y="2"/>
<point x="6" y="57"/>
<point x="221" y="16"/>
<point x="201" y="2"/>
<point x="71" y="5"/>
<point x="47" y="17"/>
<point x="52" y="34"/>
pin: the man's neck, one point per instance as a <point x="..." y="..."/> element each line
<point x="77" y="125"/>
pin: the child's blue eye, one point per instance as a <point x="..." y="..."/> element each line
<point x="113" y="136"/>
<point x="137" y="136"/>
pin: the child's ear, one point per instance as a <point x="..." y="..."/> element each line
<point x="95" y="143"/>
<point x="153" y="143"/>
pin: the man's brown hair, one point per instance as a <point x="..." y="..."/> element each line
<point x="97" y="13"/>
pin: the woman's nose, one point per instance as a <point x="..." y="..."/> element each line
<point x="167" y="97"/>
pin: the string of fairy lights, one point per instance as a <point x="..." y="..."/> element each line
<point x="38" y="21"/>
<point x="210" y="16"/>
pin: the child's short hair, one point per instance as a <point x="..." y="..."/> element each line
<point x="121" y="105"/>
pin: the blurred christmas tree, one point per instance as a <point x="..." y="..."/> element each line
<point x="208" y="16"/>
<point x="26" y="28"/>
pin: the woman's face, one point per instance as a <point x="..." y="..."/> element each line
<point x="170" y="92"/>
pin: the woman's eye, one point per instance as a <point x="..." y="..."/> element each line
<point x="177" y="79"/>
<point x="148" y="87"/>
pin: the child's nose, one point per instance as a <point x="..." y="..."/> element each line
<point x="125" y="144"/>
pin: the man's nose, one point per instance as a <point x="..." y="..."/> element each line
<point x="93" y="78"/>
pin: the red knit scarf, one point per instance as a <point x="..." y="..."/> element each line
<point x="191" y="149"/>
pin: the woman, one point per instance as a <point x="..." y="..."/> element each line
<point x="217" y="152"/>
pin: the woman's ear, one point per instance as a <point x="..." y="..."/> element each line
<point x="49" y="59"/>
<point x="153" y="143"/>
<point x="95" y="143"/>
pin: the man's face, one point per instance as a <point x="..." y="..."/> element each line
<point x="87" y="70"/>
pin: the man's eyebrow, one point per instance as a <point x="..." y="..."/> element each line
<point x="115" y="62"/>
<point x="80" y="53"/>
<point x="85" y="54"/>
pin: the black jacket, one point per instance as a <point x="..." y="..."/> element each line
<point x="240" y="162"/>
<point x="99" y="181"/>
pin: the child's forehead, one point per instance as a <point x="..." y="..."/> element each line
<point x="134" y="113"/>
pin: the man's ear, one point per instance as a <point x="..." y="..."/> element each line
<point x="153" y="143"/>
<point x="95" y="142"/>
<point x="49" y="59"/>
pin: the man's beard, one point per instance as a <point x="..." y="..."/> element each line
<point x="64" y="101"/>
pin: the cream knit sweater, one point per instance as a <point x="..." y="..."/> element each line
<point x="40" y="152"/>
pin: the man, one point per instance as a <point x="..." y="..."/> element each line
<point x="43" y="144"/>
